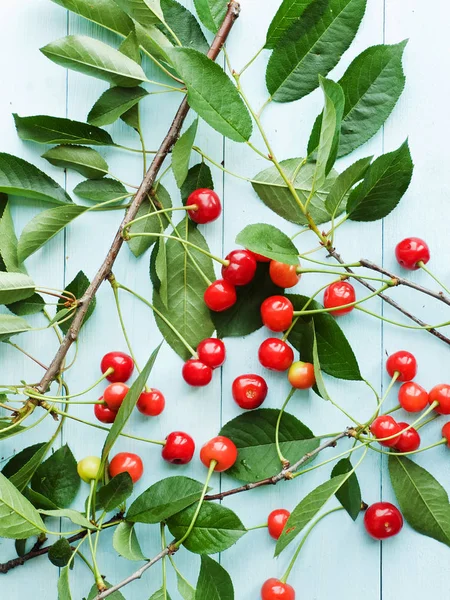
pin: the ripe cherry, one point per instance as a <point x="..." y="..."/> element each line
<point x="208" y="206"/>
<point x="196" y="373"/>
<point x="274" y="589"/>
<point x="441" y="394"/>
<point x="220" y="295"/>
<point x="383" y="520"/>
<point x="122" y="364"/>
<point x="301" y="375"/>
<point x="249" y="391"/>
<point x="276" y="522"/>
<point x="151" y="403"/>
<point x="88" y="468"/>
<point x="411" y="251"/>
<point x="241" y="268"/>
<point x="222" y="450"/>
<point x="275" y="354"/>
<point x="386" y="426"/>
<point x="211" y="352"/>
<point x="412" y="397"/>
<point x="127" y="462"/>
<point x="339" y="294"/>
<point x="114" y="395"/>
<point x="446" y="433"/>
<point x="104" y="414"/>
<point x="259" y="257"/>
<point x="179" y="448"/>
<point x="277" y="313"/>
<point x="404" y="363"/>
<point x="284" y="276"/>
<point x="409" y="439"/>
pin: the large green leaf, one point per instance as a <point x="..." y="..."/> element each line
<point x="18" y="517"/>
<point x="113" y="103"/>
<point x="15" y="287"/>
<point x="55" y="130"/>
<point x="11" y="325"/>
<point x="153" y="224"/>
<point x="86" y="161"/>
<point x="312" y="46"/>
<point x="77" y="287"/>
<point x="93" y="57"/>
<point x="115" y="492"/>
<point x="211" y="12"/>
<point x="103" y="12"/>
<point x="224" y="111"/>
<point x="254" y="435"/>
<point x="214" y="583"/>
<point x="145" y="12"/>
<point x="337" y="198"/>
<point x="184" y="25"/>
<point x="269" y="241"/>
<point x="57" y="478"/>
<point x="100" y="190"/>
<point x="181" y="153"/>
<point x="8" y="243"/>
<point x="288" y="13"/>
<point x="126" y="543"/>
<point x="349" y="494"/>
<point x="199" y="176"/>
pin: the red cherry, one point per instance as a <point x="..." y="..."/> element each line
<point x="127" y="462"/>
<point x="276" y="522"/>
<point x="409" y="440"/>
<point x="220" y="449"/>
<point x="301" y="375"/>
<point x="275" y="354"/>
<point x="220" y="295"/>
<point x="103" y="413"/>
<point x="249" y="391"/>
<point x="383" y="427"/>
<point x="211" y="352"/>
<point x="114" y="395"/>
<point x="441" y="394"/>
<point x="151" y="403"/>
<point x="259" y="257"/>
<point x="196" y="373"/>
<point x="122" y="364"/>
<point x="446" y="433"/>
<point x="274" y="589"/>
<point x="412" y="397"/>
<point x="277" y="313"/>
<point x="241" y="268"/>
<point x="338" y="294"/>
<point x="208" y="206"/>
<point x="179" y="448"/>
<point x="411" y="251"/>
<point x="383" y="520"/>
<point x="284" y="276"/>
<point x="404" y="363"/>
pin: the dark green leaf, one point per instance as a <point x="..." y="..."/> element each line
<point x="113" y="103"/>
<point x="38" y="500"/>
<point x="101" y="190"/>
<point x="18" y="517"/>
<point x="125" y="542"/>
<point x="161" y="269"/>
<point x="11" y="325"/>
<point x="55" y="130"/>
<point x="319" y="387"/>
<point x="77" y="287"/>
<point x="181" y="153"/>
<point x="337" y="198"/>
<point x="199" y="176"/>
<point x="131" y="118"/>
<point x="102" y="12"/>
<point x="23" y="465"/>
<point x="269" y="241"/>
<point x="288" y="13"/>
<point x="145" y="12"/>
<point x="8" y="243"/>
<point x="115" y="492"/>
<point x="57" y="478"/>
<point x="15" y="287"/>
<point x="155" y="42"/>
<point x="211" y="12"/>
<point x="86" y="161"/>
<point x="349" y="494"/>
<point x="185" y="26"/>
<point x="20" y="547"/>
<point x="32" y="305"/>
<point x="130" y="47"/>
<point x="153" y="224"/>
<point x="160" y="595"/>
<point x="60" y="553"/>
<point x="94" y="593"/>
<point x="214" y="583"/>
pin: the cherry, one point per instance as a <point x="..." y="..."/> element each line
<point x="127" y="462"/>
<point x="122" y="364"/>
<point x="276" y="522"/>
<point x="249" y="391"/>
<point x="274" y="589"/>
<point x="151" y="403"/>
<point x="211" y="352"/>
<point x="404" y="363"/>
<point x="301" y="375"/>
<point x="196" y="373"/>
<point x="275" y="354"/>
<point x="409" y="439"/>
<point x="441" y="393"/>
<point x="104" y="414"/>
<point x="384" y="426"/>
<point x="88" y="468"/>
<point x="241" y="268"/>
<point x="446" y="433"/>
<point x="411" y="251"/>
<point x="383" y="520"/>
<point x="412" y="397"/>
<point x="220" y="295"/>
<point x="114" y="395"/>
<point x="179" y="448"/>
<point x="284" y="276"/>
<point x="338" y="294"/>
<point x="220" y="449"/>
<point x="260" y="257"/>
<point x="277" y="313"/>
<point x="208" y="206"/>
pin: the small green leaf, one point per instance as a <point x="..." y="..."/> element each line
<point x="337" y="198"/>
<point x="125" y="542"/>
<point x="187" y="592"/>
<point x="94" y="593"/>
<point x="349" y="494"/>
<point x="154" y="41"/>
<point x="288" y="13"/>
<point x="214" y="583"/>
<point x="15" y="287"/>
<point x="101" y="190"/>
<point x="185" y="26"/>
<point x="57" y="478"/>
<point x="320" y="383"/>
<point x="68" y="513"/>
<point x="160" y="595"/>
<point x="199" y="176"/>
<point x="145" y="12"/>
<point x="102" y="12"/>
<point x="162" y="272"/>
<point x="115" y="492"/>
<point x="31" y="306"/>
<point x="64" y="585"/>
<point x="113" y="103"/>
<point x="270" y="242"/>
<point x="211" y="13"/>
<point x="21" y="467"/>
<point x="8" y="243"/>
<point x="18" y="517"/>
<point x="7" y="429"/>
<point x="181" y="153"/>
<point x="55" y="130"/>
<point x="38" y="500"/>
<point x="11" y="325"/>
<point x="153" y="224"/>
<point x="130" y="47"/>
<point x="60" y="553"/>
<point x="86" y="161"/>
<point x="77" y="287"/>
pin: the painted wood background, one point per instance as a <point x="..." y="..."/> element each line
<point x="339" y="561"/>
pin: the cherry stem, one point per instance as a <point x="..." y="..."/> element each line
<point x="262" y="526"/>
<point x="63" y="397"/>
<point x="385" y="395"/>
<point x="283" y="460"/>
<point x="392" y="410"/>
<point x="327" y="264"/>
<point x="98" y="577"/>
<point x="433" y="276"/>
<point x="218" y="165"/>
<point x="300" y="313"/>
<point x="161" y="211"/>
<point x="418" y="451"/>
<point x="423" y="327"/>
<point x="343" y="275"/>
<point x="329" y="460"/>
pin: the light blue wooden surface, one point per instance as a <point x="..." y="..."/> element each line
<point x="339" y="561"/>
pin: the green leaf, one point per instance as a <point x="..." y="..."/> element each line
<point x="115" y="492"/>
<point x="153" y="224"/>
<point x="187" y="592"/>
<point x="68" y="513"/>
<point x="130" y="47"/>
<point x="185" y="26"/>
<point x="254" y="435"/>
<point x="86" y="161"/>
<point x="349" y="494"/>
<point x="11" y="325"/>
<point x="160" y="595"/>
<point x="95" y="58"/>
<point x="6" y="425"/>
<point x="181" y="153"/>
<point x="15" y="287"/>
<point x="311" y="47"/>
<point x="8" y="243"/>
<point x="273" y="191"/>
<point x="57" y="478"/>
<point x="216" y="528"/>
<point x="21" y="467"/>
<point x="185" y="309"/>
<point x="64" y="585"/>
<point x="199" y="176"/>
<point x="320" y="383"/>
<point x="145" y="12"/>
<point x="77" y="287"/>
<point x="60" y="553"/>
<point x="162" y="273"/>
<point x="163" y="499"/>
<point x="288" y="13"/>
<point x="102" y="12"/>
<point x="31" y="306"/>
<point x="18" y="517"/>
<point x="113" y="103"/>
<point x="125" y="542"/>
<point x="55" y="130"/>
<point x="20" y="178"/>
<point x="44" y="226"/>
<point x="225" y="112"/>
<point x="337" y="198"/>
<point x="100" y="190"/>
<point x="211" y="13"/>
<point x="20" y="547"/>
<point x="94" y="593"/>
<point x="38" y="500"/>
<point x="269" y="241"/>
<point x="154" y="41"/>
<point x="214" y="583"/>
<point x="422" y="499"/>
<point x="384" y="184"/>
